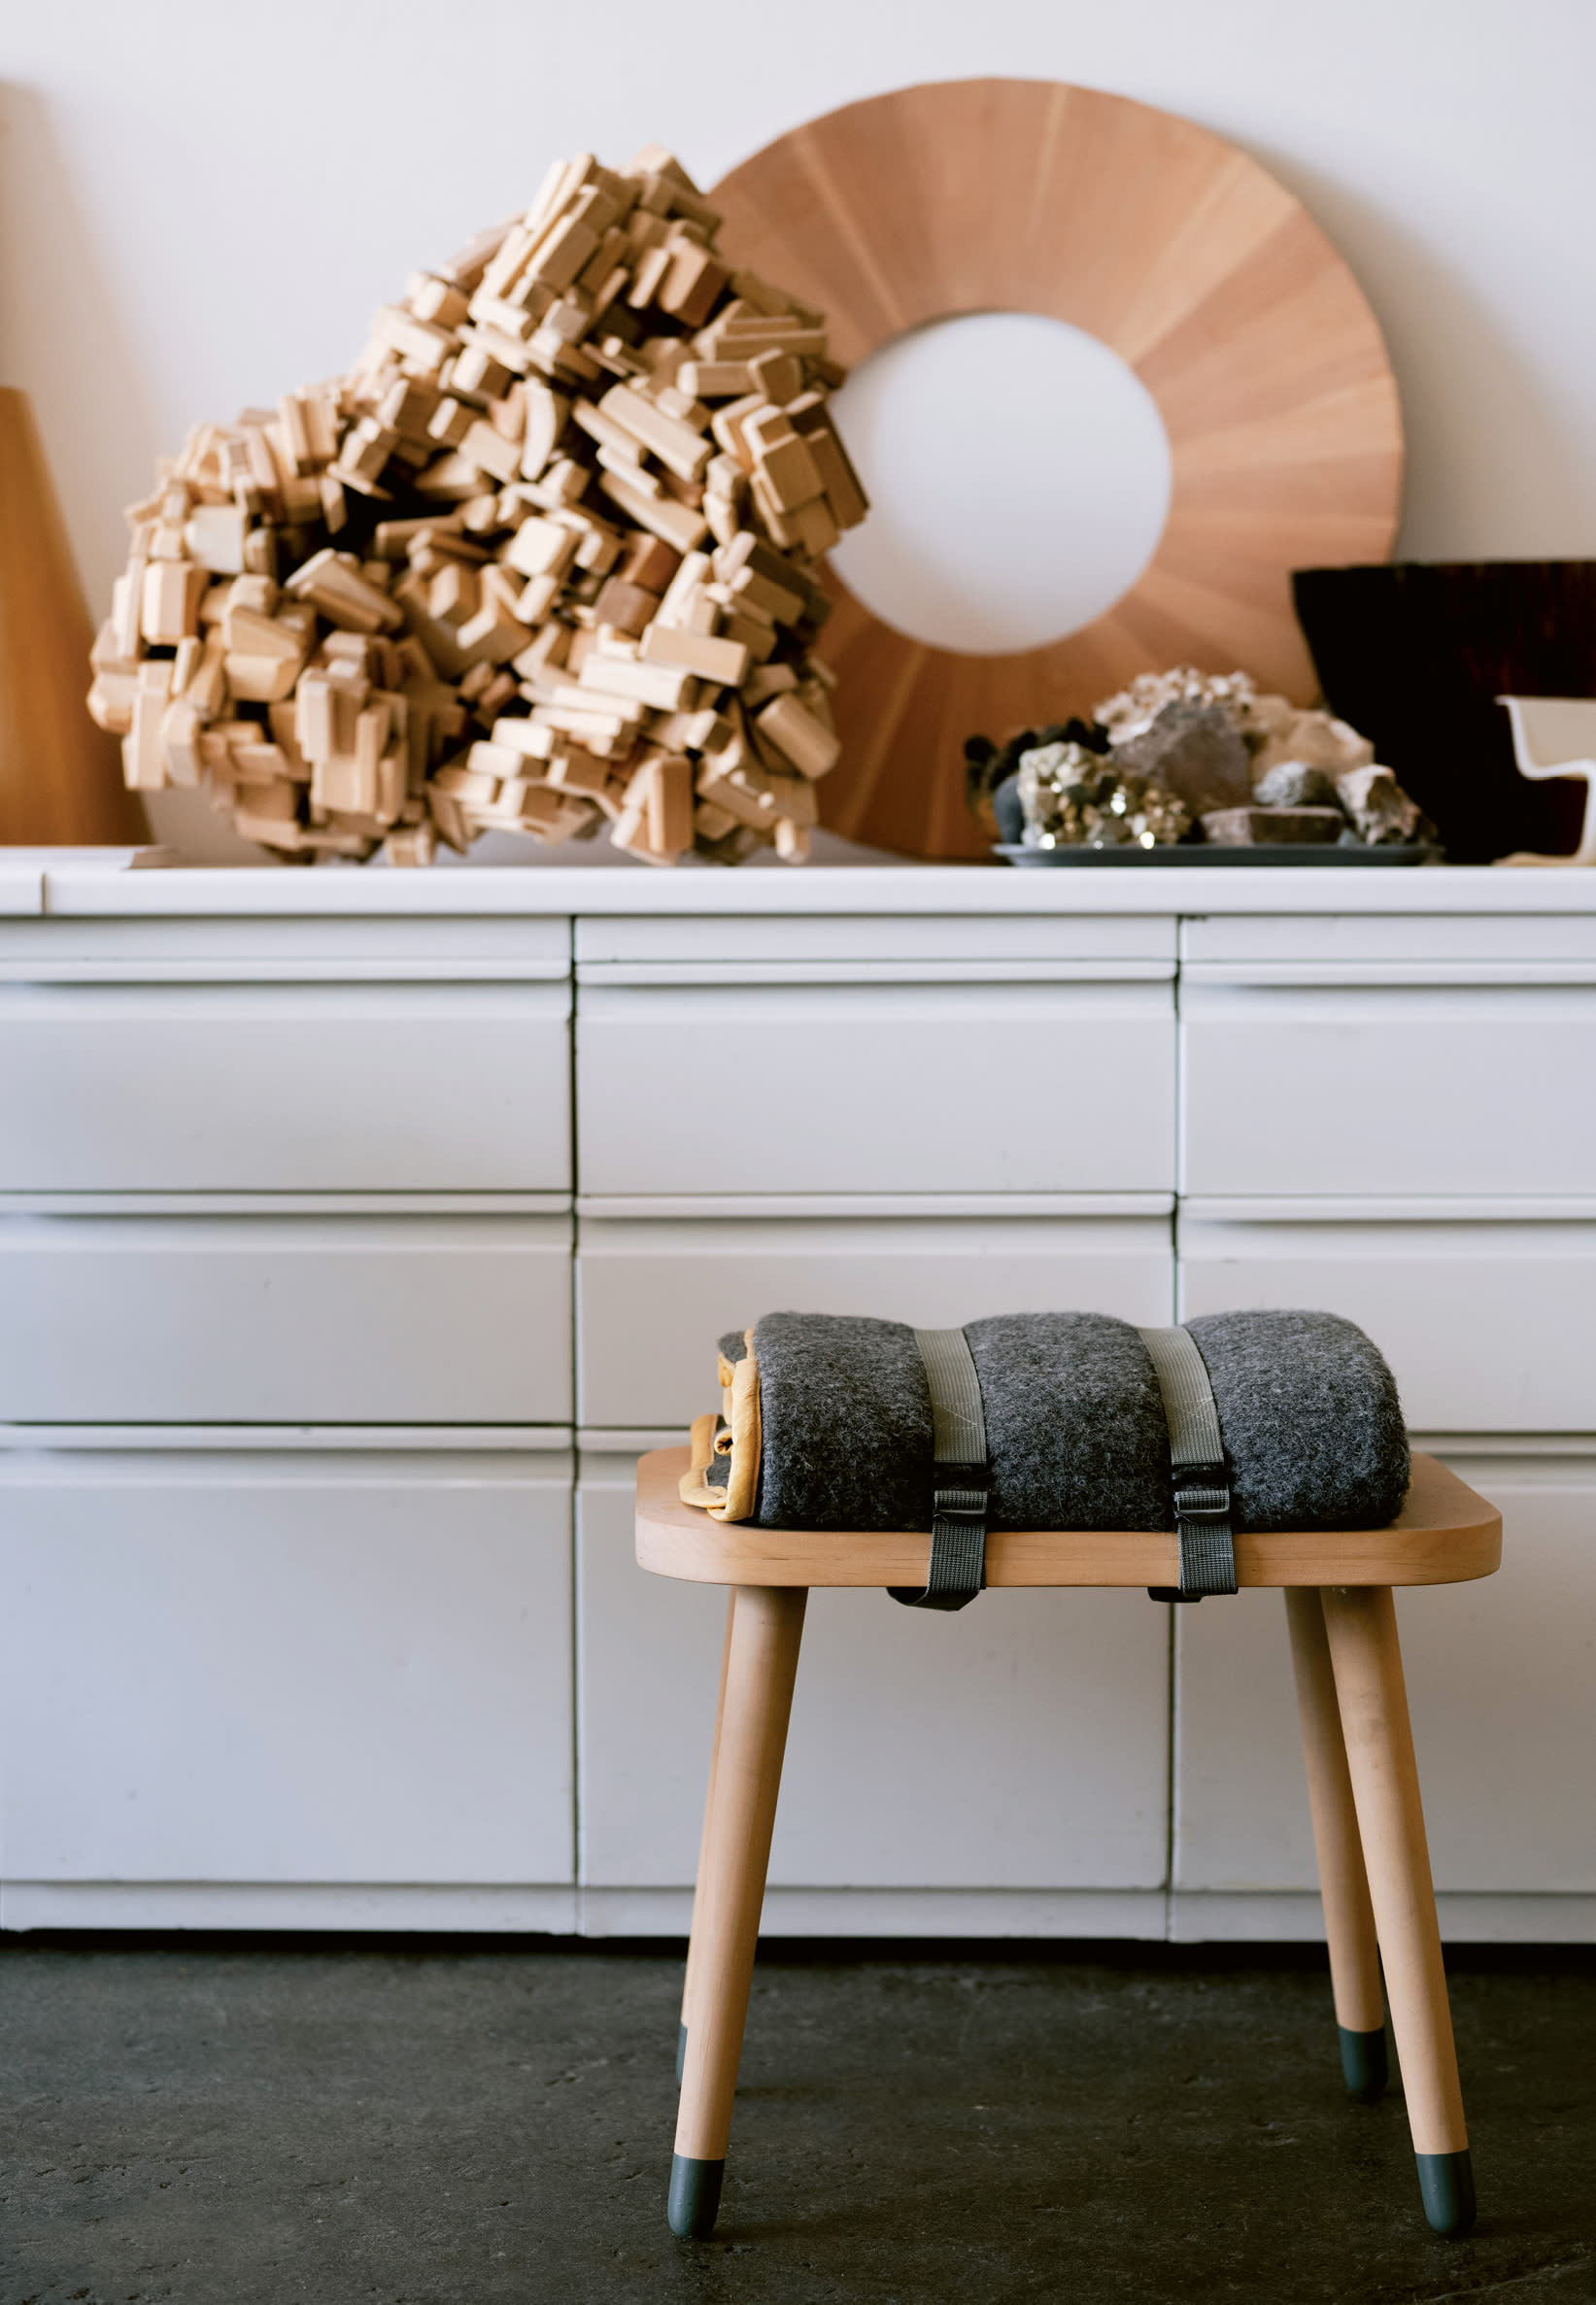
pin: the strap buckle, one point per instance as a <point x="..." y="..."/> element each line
<point x="961" y="1492"/>
<point x="1202" y="1493"/>
<point x="960" y="1480"/>
<point x="1199" y="1480"/>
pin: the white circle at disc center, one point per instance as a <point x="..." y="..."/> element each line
<point x="1019" y="477"/>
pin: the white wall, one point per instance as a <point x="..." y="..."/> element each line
<point x="200" y="201"/>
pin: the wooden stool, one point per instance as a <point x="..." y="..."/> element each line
<point x="1363" y="1783"/>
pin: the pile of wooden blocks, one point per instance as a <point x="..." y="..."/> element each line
<point x="543" y="561"/>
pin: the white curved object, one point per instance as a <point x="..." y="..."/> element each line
<point x="1556" y="736"/>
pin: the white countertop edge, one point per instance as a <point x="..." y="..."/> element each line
<point x="79" y="890"/>
<point x="21" y="892"/>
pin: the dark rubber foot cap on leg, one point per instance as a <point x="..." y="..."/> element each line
<point x="1445" y="2180"/>
<point x="681" y="2053"/>
<point x="1365" y="2064"/>
<point x="695" y="2197"/>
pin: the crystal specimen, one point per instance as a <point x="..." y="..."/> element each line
<point x="1380" y="810"/>
<point x="1075" y="799"/>
<point x="1294" y="784"/>
<point x="1134" y="708"/>
<point x="1194" y="750"/>
<point x="1259" y="827"/>
<point x="1315" y="739"/>
<point x="989" y="766"/>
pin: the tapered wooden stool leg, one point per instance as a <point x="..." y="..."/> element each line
<point x="1344" y="1885"/>
<point x="704" y="1838"/>
<point x="1361" y="1623"/>
<point x="761" y="1665"/>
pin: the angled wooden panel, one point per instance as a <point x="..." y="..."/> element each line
<point x="60" y="778"/>
<point x="1202" y="273"/>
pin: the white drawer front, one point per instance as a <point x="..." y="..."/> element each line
<point x="1486" y="1326"/>
<point x="1394" y="1090"/>
<point x="1019" y="1744"/>
<point x="653" y="1295"/>
<point x="286" y="1669"/>
<point x="238" y="948"/>
<point x="272" y="1088"/>
<point x="284" y="1320"/>
<point x="1499" y="1677"/>
<point x="618" y="939"/>
<point x="1404" y="946"/>
<point x="861" y="1088"/>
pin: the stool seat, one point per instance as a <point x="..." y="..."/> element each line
<point x="1374" y="1881"/>
<point x="1445" y="1535"/>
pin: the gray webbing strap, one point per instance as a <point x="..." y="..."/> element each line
<point x="1197" y="1459"/>
<point x="957" y="1570"/>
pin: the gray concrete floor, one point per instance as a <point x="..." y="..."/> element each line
<point x="390" y="2123"/>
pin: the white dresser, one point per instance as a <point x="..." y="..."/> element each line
<point x="358" y="1229"/>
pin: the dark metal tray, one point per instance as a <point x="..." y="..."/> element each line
<point x="1205" y="852"/>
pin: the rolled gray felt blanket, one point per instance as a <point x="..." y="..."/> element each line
<point x="1076" y="1434"/>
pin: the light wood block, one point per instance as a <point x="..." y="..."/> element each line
<point x="460" y="401"/>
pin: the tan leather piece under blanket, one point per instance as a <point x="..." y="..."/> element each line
<point x="695" y="1487"/>
<point x="742" y="1487"/>
<point x="734" y="1433"/>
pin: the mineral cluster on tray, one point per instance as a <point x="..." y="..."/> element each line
<point x="992" y="772"/>
<point x="1189" y="756"/>
<point x="544" y="558"/>
<point x="1072" y="797"/>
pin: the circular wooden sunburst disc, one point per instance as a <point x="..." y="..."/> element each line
<point x="1206" y="277"/>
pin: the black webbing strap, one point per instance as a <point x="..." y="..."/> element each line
<point x="957" y="1569"/>
<point x="1197" y="1460"/>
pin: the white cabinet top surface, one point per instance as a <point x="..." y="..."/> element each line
<point x="594" y="891"/>
<point x="21" y="890"/>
